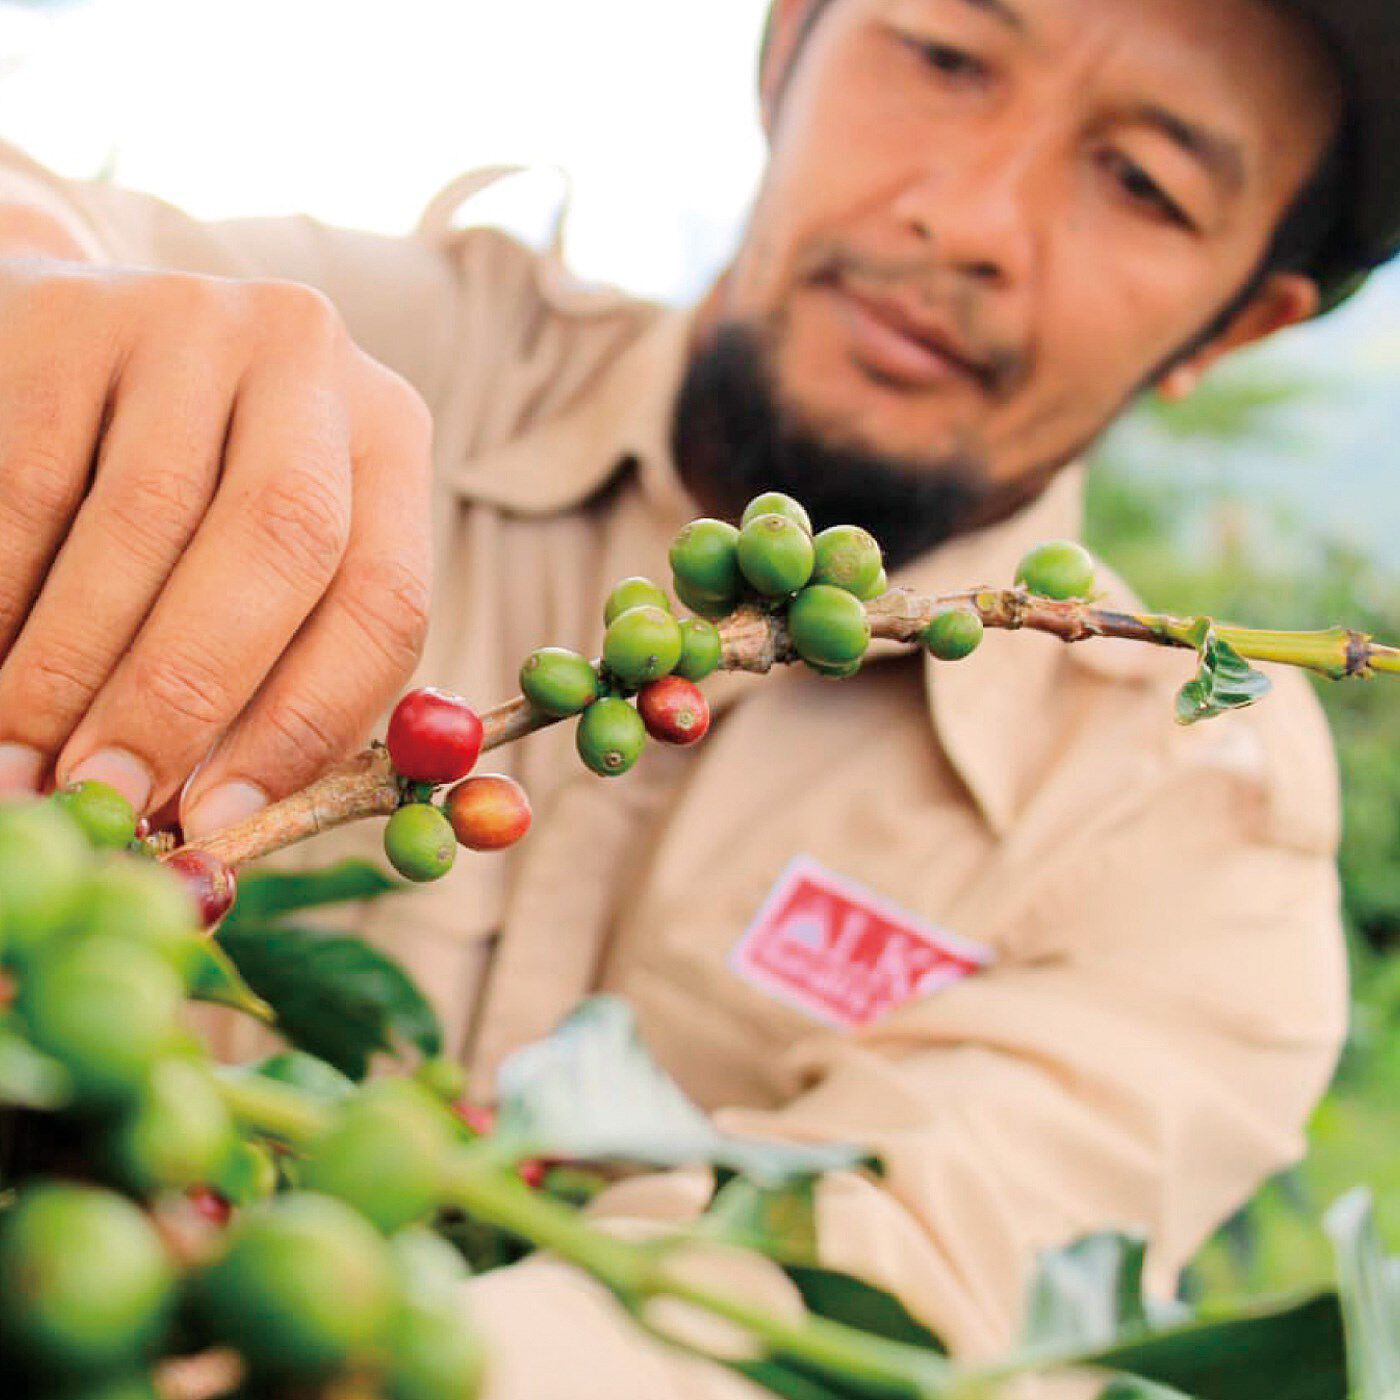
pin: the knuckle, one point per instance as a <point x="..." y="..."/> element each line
<point x="389" y="602"/>
<point x="154" y="510"/>
<point x="293" y="311"/>
<point x="185" y="297"/>
<point x="40" y="486"/>
<point x="183" y="684"/>
<point x="306" y="733"/>
<point x="303" y="519"/>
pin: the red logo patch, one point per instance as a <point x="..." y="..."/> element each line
<point x="840" y="952"/>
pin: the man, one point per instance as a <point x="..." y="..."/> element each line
<point x="986" y="225"/>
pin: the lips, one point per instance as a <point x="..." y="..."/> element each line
<point x="904" y="345"/>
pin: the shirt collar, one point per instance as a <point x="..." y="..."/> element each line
<point x="993" y="713"/>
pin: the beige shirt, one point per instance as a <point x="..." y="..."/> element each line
<point x="1168" y="991"/>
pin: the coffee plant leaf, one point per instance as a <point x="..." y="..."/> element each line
<point x="333" y="995"/>
<point x="1369" y="1283"/>
<point x="269" y="894"/>
<point x="1086" y="1294"/>
<point x="1225" y="680"/>
<point x="214" y="979"/>
<point x="791" y="1383"/>
<point x="841" y="1298"/>
<point x="590" y="1091"/>
<point x="1135" y="1388"/>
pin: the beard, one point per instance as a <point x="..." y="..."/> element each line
<point x="734" y="438"/>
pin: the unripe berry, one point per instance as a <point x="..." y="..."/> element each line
<point x="776" y="503"/>
<point x="954" y="634"/>
<point x="701" y="649"/>
<point x="634" y="592"/>
<point x="642" y="645"/>
<point x="442" y="1077"/>
<point x="710" y="609"/>
<point x="828" y="626"/>
<point x="705" y="563"/>
<point x="142" y="900"/>
<point x="434" y="737"/>
<point x="775" y="555"/>
<point x="43" y="857"/>
<point x="610" y="737"/>
<point x="847" y="557"/>
<point x="108" y="820"/>
<point x="558" y="682"/>
<point x="878" y="588"/>
<point x="488" y="812"/>
<point x="211" y="884"/>
<point x="674" y="711"/>
<point x="1061" y="569"/>
<point x="420" y="842"/>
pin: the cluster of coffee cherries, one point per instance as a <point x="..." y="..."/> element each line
<point x="434" y="740"/>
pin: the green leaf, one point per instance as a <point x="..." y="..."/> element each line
<point x="842" y="1298"/>
<point x="781" y="1221"/>
<point x="591" y="1091"/>
<point x="314" y="1077"/>
<point x="1369" y="1283"/>
<point x="1272" y="1350"/>
<point x="29" y="1078"/>
<point x="1135" y="1388"/>
<point x="213" y="978"/>
<point x="1225" y="680"/>
<point x="1086" y="1294"/>
<point x="334" y="996"/>
<point x="792" y="1384"/>
<point x="264" y="895"/>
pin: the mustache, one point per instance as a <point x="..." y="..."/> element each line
<point x="1006" y="364"/>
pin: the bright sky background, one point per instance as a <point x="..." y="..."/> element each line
<point x="357" y="111"/>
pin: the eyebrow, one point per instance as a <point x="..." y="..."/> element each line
<point x="1220" y="155"/>
<point x="1000" y="10"/>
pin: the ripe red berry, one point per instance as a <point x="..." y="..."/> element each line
<point x="532" y="1172"/>
<point x="488" y="812"/>
<point x="212" y="884"/>
<point x="478" y="1117"/>
<point x="434" y="736"/>
<point x="209" y="1205"/>
<point x="674" y="710"/>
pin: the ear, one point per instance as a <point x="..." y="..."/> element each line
<point x="781" y="37"/>
<point x="1284" y="299"/>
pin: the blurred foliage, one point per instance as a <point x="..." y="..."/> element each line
<point x="1211" y="544"/>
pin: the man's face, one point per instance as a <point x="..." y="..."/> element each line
<point x="985" y="223"/>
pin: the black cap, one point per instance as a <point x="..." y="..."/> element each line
<point x="1365" y="36"/>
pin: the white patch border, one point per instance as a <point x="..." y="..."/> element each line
<point x="741" y="964"/>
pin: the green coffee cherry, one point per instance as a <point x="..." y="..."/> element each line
<point x="106" y="817"/>
<point x="419" y="842"/>
<point x="708" y="609"/>
<point x="444" y="1078"/>
<point x="705" y="562"/>
<point x="86" y="1283"/>
<point x="954" y="634"/>
<point x="1061" y="569"/>
<point x="43" y="857"/>
<point x="634" y="593"/>
<point x="775" y="555"/>
<point x="836" y="673"/>
<point x="643" y="644"/>
<point x="558" y="682"/>
<point x="179" y="1133"/>
<point x="701" y="649"/>
<point x="384" y="1153"/>
<point x="313" y="1076"/>
<point x="776" y="503"/>
<point x="847" y="557"/>
<point x="828" y="626"/>
<point x="878" y="588"/>
<point x="106" y="1008"/>
<point x="305" y="1286"/>
<point x="248" y="1174"/>
<point x="611" y="737"/>
<point x="128" y="897"/>
<point x="434" y="1354"/>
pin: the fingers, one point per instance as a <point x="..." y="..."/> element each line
<point x="266" y="551"/>
<point x="157" y="469"/>
<point x="363" y="641"/>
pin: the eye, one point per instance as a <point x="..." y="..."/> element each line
<point x="1142" y="189"/>
<point x="947" y="59"/>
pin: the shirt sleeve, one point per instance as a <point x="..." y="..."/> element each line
<point x="405" y="300"/>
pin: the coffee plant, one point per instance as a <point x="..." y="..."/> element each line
<point x="172" y="1227"/>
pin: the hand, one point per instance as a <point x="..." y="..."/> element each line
<point x="214" y="535"/>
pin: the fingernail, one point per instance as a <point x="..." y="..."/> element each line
<point x="119" y="769"/>
<point x="21" y="768"/>
<point x="223" y="806"/>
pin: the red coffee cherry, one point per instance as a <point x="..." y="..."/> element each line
<point x="488" y="812"/>
<point x="434" y="736"/>
<point x="209" y="1205"/>
<point x="674" y="710"/>
<point x="212" y="884"/>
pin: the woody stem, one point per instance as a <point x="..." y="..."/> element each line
<point x="756" y="641"/>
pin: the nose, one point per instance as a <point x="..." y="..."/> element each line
<point x="972" y="209"/>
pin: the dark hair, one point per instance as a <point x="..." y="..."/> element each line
<point x="1301" y="242"/>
